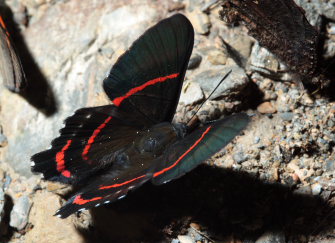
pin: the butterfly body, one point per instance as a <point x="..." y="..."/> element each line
<point x="109" y="150"/>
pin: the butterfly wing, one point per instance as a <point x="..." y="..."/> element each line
<point x="111" y="184"/>
<point x="186" y="154"/>
<point x="89" y="142"/>
<point x="147" y="79"/>
<point x="10" y="65"/>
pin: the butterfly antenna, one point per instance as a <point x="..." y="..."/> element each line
<point x="227" y="74"/>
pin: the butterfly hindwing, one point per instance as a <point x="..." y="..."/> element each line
<point x="186" y="154"/>
<point x="151" y="72"/>
<point x="127" y="173"/>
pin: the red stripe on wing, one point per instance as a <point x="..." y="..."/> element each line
<point x="60" y="160"/>
<point x="117" y="101"/>
<point x="2" y="23"/>
<point x="121" y="184"/>
<point x="184" y="154"/>
<point x="80" y="201"/>
<point x="91" y="139"/>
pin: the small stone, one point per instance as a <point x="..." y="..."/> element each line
<point x="200" y="21"/>
<point x="191" y="94"/>
<point x="240" y="157"/>
<point x="330" y="165"/>
<point x="257" y="140"/>
<point x="287" y="116"/>
<point x="3" y="140"/>
<point x="194" y="62"/>
<point x="7" y="182"/>
<point x="316" y="189"/>
<point x="195" y="226"/>
<point x="272" y="237"/>
<point x="266" y="108"/>
<point x="175" y="6"/>
<point x="185" y="239"/>
<point x="217" y="57"/>
<point x="2" y="203"/>
<point x="20" y="212"/>
<point x="232" y="85"/>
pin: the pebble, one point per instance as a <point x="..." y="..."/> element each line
<point x="233" y="84"/>
<point x="266" y="108"/>
<point x="191" y="94"/>
<point x="200" y="21"/>
<point x="20" y="212"/>
<point x="217" y="57"/>
<point x="240" y="157"/>
<point x="185" y="239"/>
<point x="287" y="116"/>
<point x="272" y="237"/>
<point x="316" y="189"/>
<point x="2" y="203"/>
<point x="3" y="140"/>
<point x="194" y="62"/>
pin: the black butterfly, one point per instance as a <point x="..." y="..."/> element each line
<point x="10" y="65"/>
<point x="109" y="150"/>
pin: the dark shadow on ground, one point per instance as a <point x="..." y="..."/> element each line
<point x="223" y="202"/>
<point x="38" y="92"/>
<point x="6" y="232"/>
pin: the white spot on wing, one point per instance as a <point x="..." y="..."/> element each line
<point x="32" y="163"/>
<point x="97" y="205"/>
<point x="107" y="202"/>
<point x="121" y="197"/>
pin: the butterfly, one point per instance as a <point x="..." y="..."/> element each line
<point x="10" y="65"/>
<point x="282" y="28"/>
<point x="109" y="150"/>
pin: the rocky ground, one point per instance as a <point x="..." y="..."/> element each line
<point x="274" y="183"/>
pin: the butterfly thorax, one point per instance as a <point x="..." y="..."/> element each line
<point x="155" y="139"/>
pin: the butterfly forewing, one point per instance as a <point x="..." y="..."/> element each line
<point x="186" y="154"/>
<point x="151" y="72"/>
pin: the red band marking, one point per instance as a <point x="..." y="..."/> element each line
<point x="80" y="201"/>
<point x="94" y="135"/>
<point x="117" y="101"/>
<point x="2" y="23"/>
<point x="60" y="160"/>
<point x="121" y="184"/>
<point x="184" y="154"/>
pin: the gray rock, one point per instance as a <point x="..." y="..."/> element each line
<point x="3" y="140"/>
<point x="2" y="203"/>
<point x="185" y="239"/>
<point x="272" y="237"/>
<point x="7" y="182"/>
<point x="264" y="62"/>
<point x="287" y="116"/>
<point x="316" y="189"/>
<point x="200" y="21"/>
<point x="329" y="165"/>
<point x="234" y="83"/>
<point x="20" y="212"/>
<point x="194" y="61"/>
<point x="240" y="157"/>
<point x="191" y="94"/>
